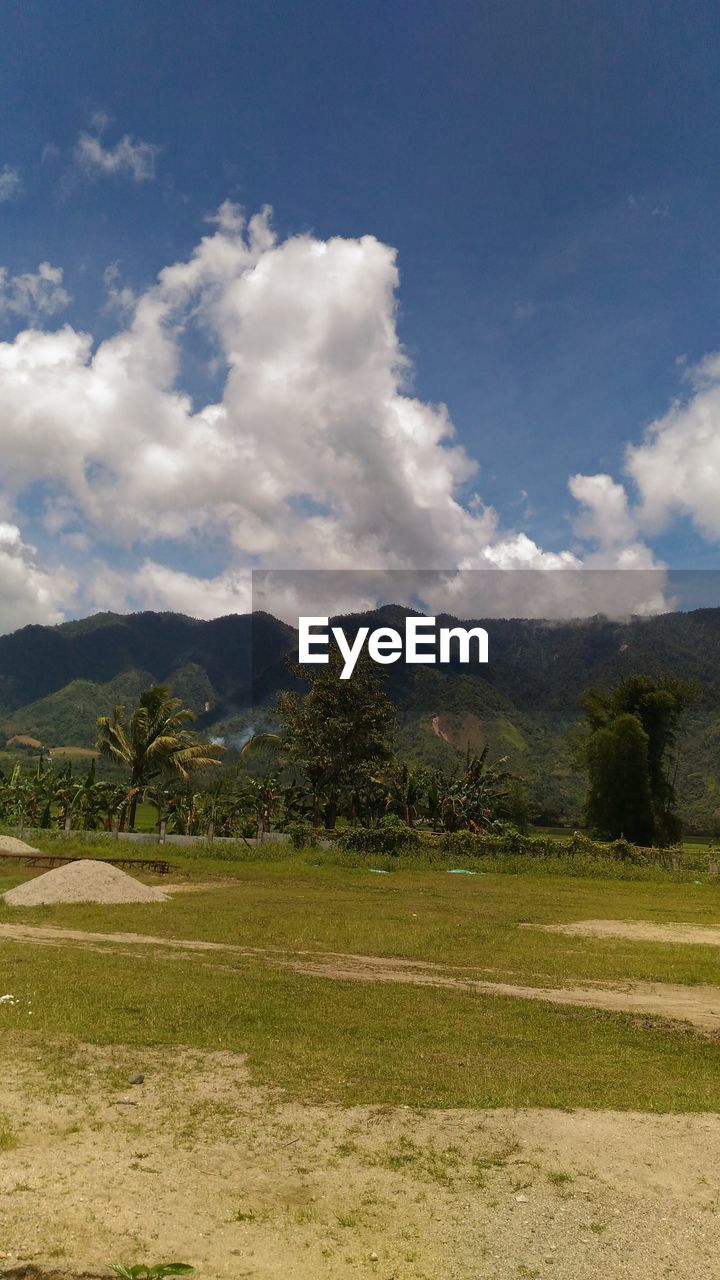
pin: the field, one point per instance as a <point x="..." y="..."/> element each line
<point x="350" y="1073"/>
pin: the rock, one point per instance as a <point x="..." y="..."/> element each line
<point x="138" y="1079"/>
<point x="374" y="1257"/>
<point x="521" y="1199"/>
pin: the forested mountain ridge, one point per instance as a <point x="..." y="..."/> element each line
<point x="54" y="681"/>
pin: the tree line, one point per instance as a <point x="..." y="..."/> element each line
<point x="332" y="761"/>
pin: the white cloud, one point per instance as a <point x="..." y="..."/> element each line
<point x="129" y="157"/>
<point x="605" y="516"/>
<point x="28" y="591"/>
<point x="33" y="295"/>
<point x="156" y="586"/>
<point x="10" y="183"/>
<point x="314" y="455"/>
<point x="677" y="467"/>
<point x="120" y="297"/>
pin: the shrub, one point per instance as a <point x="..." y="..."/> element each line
<point x="302" y="835"/>
<point x="391" y="838"/>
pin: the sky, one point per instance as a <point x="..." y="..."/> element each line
<point x="380" y="286"/>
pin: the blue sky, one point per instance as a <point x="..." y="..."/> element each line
<point x="548" y="174"/>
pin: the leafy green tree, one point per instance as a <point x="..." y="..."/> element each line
<point x="153" y="741"/>
<point x="619" y="799"/>
<point x="628" y="755"/>
<point x="338" y="734"/>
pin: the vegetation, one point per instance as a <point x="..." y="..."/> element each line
<point x="56" y="681"/>
<point x="318" y="1039"/>
<point x="333" y="768"/>
<point x="151" y="742"/>
<point x="337" y="735"/>
<point x="632" y="732"/>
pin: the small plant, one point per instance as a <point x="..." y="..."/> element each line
<point x="141" y="1272"/>
<point x="302" y="835"/>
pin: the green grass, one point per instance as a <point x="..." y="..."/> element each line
<point x="355" y="1042"/>
<point x="8" y="1139"/>
<point x="422" y="914"/>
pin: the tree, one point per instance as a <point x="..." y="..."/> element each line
<point x="619" y="800"/>
<point x="628" y="755"/>
<point x="404" y="792"/>
<point x="337" y="734"/>
<point x="153" y="741"/>
<point x="264" y="797"/>
<point x="470" y="798"/>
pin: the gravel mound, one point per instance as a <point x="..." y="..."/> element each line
<point x="10" y="844"/>
<point x="82" y="881"/>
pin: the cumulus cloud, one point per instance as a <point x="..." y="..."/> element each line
<point x="129" y="157"/>
<point x="677" y="466"/>
<point x="33" y="295"/>
<point x="28" y="591"/>
<point x="10" y="183"/>
<point x="605" y="516"/>
<point x="314" y="454"/>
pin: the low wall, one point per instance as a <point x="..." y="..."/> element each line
<point x="150" y="837"/>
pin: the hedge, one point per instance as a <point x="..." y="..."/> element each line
<point x="393" y="841"/>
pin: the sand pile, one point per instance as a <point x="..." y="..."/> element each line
<point x="83" y="881"/>
<point x="10" y="844"/>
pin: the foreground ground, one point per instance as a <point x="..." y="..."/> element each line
<point x="198" y="1162"/>
<point x="349" y="1077"/>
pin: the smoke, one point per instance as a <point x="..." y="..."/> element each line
<point x="235" y="740"/>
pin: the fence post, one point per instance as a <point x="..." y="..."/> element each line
<point x="21" y="827"/>
<point x="67" y="822"/>
<point x="163" y="829"/>
<point x="116" y="827"/>
<point x="211" y="831"/>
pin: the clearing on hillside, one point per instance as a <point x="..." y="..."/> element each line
<point x="83" y="881"/>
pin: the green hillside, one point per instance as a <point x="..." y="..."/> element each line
<point x="69" y="717"/>
<point x="55" y="681"/>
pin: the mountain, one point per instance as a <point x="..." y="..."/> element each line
<point x="55" y="681"/>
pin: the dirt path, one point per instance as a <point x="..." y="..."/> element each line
<point x="698" y="1005"/>
<point x="639" y="930"/>
<point x="200" y="1165"/>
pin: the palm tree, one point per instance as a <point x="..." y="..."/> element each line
<point x="153" y="741"/>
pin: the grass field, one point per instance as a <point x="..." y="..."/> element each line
<point x="316" y="1105"/>
<point x="321" y="1038"/>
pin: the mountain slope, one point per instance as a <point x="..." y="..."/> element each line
<point x="54" y="681"/>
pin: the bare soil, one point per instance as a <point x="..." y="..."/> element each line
<point x="697" y="1005"/>
<point x="199" y="1165"/>
<point x="639" y="930"/>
